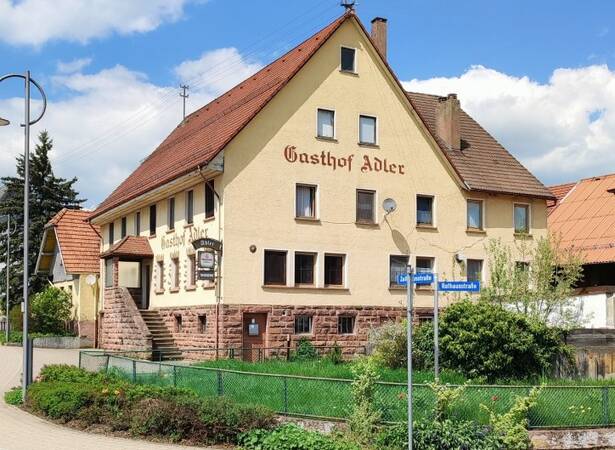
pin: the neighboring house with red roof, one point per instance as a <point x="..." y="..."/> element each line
<point x="584" y="219"/>
<point x="69" y="256"/>
<point x="285" y="176"/>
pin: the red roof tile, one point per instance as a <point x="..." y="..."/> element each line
<point x="130" y="246"/>
<point x="79" y="241"/>
<point x="559" y="191"/>
<point x="484" y="166"/>
<point x="584" y="218"/>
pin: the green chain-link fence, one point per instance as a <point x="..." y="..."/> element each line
<point x="325" y="398"/>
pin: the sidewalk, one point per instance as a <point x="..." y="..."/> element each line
<point x="22" y="431"/>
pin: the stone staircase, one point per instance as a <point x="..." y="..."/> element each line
<point x="163" y="344"/>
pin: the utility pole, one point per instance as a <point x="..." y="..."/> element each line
<point x="184" y="96"/>
<point x="7" y="269"/>
<point x="409" y="318"/>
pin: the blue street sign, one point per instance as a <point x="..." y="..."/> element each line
<point x="459" y="286"/>
<point x="418" y="278"/>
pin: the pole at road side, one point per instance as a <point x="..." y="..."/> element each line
<point x="26" y="230"/>
<point x="409" y="317"/>
<point x="436" y="343"/>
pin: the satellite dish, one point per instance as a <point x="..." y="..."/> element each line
<point x="90" y="280"/>
<point x="389" y="205"/>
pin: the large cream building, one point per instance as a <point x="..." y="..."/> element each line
<point x="289" y="170"/>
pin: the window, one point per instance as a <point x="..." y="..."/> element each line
<point x="111" y="233"/>
<point x="348" y="59"/>
<point x="189" y="207"/>
<point x="123" y="228"/>
<point x="365" y="206"/>
<point x="305" y="201"/>
<point x="424" y="264"/>
<point x="152" y="220"/>
<point x="345" y="324"/>
<point x="474" y="269"/>
<point x="326" y="124"/>
<point x="304" y="268"/>
<point x="171" y="213"/>
<point x="137" y="224"/>
<point x="475" y="214"/>
<point x="191" y="270"/>
<point x="161" y="275"/>
<point x="109" y="272"/>
<point x="175" y="262"/>
<point x="303" y="324"/>
<point x="424" y="210"/>
<point x="275" y="267"/>
<point x="522" y="218"/>
<point x="209" y="199"/>
<point x="397" y="266"/>
<point x="178" y="323"/>
<point x="367" y="130"/>
<point x="334" y="270"/>
<point x="202" y="324"/>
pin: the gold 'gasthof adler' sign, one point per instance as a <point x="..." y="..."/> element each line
<point x="326" y="159"/>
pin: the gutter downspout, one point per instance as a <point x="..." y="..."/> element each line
<point x="218" y="273"/>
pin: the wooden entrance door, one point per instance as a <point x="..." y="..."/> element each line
<point x="254" y="336"/>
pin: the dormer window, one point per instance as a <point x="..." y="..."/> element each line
<point x="348" y="59"/>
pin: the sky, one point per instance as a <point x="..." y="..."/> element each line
<point x="536" y="75"/>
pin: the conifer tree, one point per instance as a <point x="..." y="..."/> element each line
<point x="48" y="195"/>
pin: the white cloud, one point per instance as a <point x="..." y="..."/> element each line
<point x="76" y="65"/>
<point x="561" y="130"/>
<point x="35" y="22"/>
<point x="198" y="73"/>
<point x="108" y="123"/>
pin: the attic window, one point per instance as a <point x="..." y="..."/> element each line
<point x="348" y="60"/>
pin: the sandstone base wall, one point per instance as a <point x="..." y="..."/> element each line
<point x="121" y="325"/>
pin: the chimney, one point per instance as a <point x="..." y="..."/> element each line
<point x="379" y="35"/>
<point x="447" y="121"/>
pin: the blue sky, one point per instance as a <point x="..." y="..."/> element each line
<point x="516" y="66"/>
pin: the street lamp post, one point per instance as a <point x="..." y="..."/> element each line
<point x="6" y="218"/>
<point x="26" y="222"/>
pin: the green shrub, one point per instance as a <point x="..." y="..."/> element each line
<point x="446" y="435"/>
<point x="50" y="310"/>
<point x="365" y="416"/>
<point x="292" y="437"/>
<point x="66" y="373"/>
<point x="335" y="355"/>
<point x="388" y="344"/>
<point x="305" y="350"/>
<point x="165" y="418"/>
<point x="60" y="400"/>
<point x="13" y="397"/>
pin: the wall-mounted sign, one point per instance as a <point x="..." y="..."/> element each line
<point x="206" y="260"/>
<point x="418" y="278"/>
<point x="176" y="240"/>
<point x="205" y="275"/>
<point x="459" y="286"/>
<point x="207" y="243"/>
<point x="367" y="164"/>
<point x="253" y="328"/>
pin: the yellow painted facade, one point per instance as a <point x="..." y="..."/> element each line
<point x="257" y="196"/>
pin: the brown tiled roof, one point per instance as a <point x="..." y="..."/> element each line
<point x="483" y="164"/>
<point x="130" y="246"/>
<point x="559" y="191"/>
<point x="208" y="130"/>
<point x="79" y="240"/>
<point x="585" y="219"/>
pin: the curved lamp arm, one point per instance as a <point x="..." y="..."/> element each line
<point x="40" y="89"/>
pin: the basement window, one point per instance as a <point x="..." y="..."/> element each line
<point x="202" y="324"/>
<point x="178" y="323"/>
<point x="303" y="324"/>
<point x="348" y="60"/>
<point x="345" y="324"/>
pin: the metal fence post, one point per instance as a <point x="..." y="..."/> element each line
<point x="174" y="375"/>
<point x="134" y="370"/>
<point x="605" y="405"/>
<point x="107" y="364"/>
<point x="220" y="385"/>
<point x="285" y="395"/>
<point x="79" y="358"/>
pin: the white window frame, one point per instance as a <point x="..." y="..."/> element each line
<point x="375" y="218"/>
<point x="186" y="203"/>
<point x="482" y="268"/>
<point x="377" y="129"/>
<point x="434" y="268"/>
<point x="529" y="216"/>
<point x="316" y="274"/>
<point x="388" y="262"/>
<point x="344" y="284"/>
<point x="355" y="70"/>
<point x="483" y="216"/>
<point x="434" y="209"/>
<point x="171" y="226"/>
<point x="316" y="201"/>
<point x="290" y="271"/>
<point x="137" y="223"/>
<point x="325" y="108"/>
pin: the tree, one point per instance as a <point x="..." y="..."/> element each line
<point x="48" y="195"/>
<point x="51" y="311"/>
<point x="541" y="289"/>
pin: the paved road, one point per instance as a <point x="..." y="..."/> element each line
<point x="22" y="431"/>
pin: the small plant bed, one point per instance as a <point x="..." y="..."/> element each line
<point x="109" y="403"/>
<point x="16" y="337"/>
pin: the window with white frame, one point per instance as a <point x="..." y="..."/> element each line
<point x="209" y="199"/>
<point x="334" y="270"/>
<point x="424" y="264"/>
<point x="367" y="130"/>
<point x="123" y="227"/>
<point x="275" y="267"/>
<point x="189" y="207"/>
<point x="152" y="220"/>
<point x="348" y="59"/>
<point x="111" y="236"/>
<point x="424" y="210"/>
<point x="160" y="275"/>
<point x="475" y="214"/>
<point x="522" y="218"/>
<point x="191" y="270"/>
<point x="474" y="269"/>
<point x="304" y="268"/>
<point x="171" y="213"/>
<point x="305" y="201"/>
<point x="366" y="209"/>
<point x="397" y="266"/>
<point x="137" y="224"/>
<point x="326" y="123"/>
<point x="176" y="272"/>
